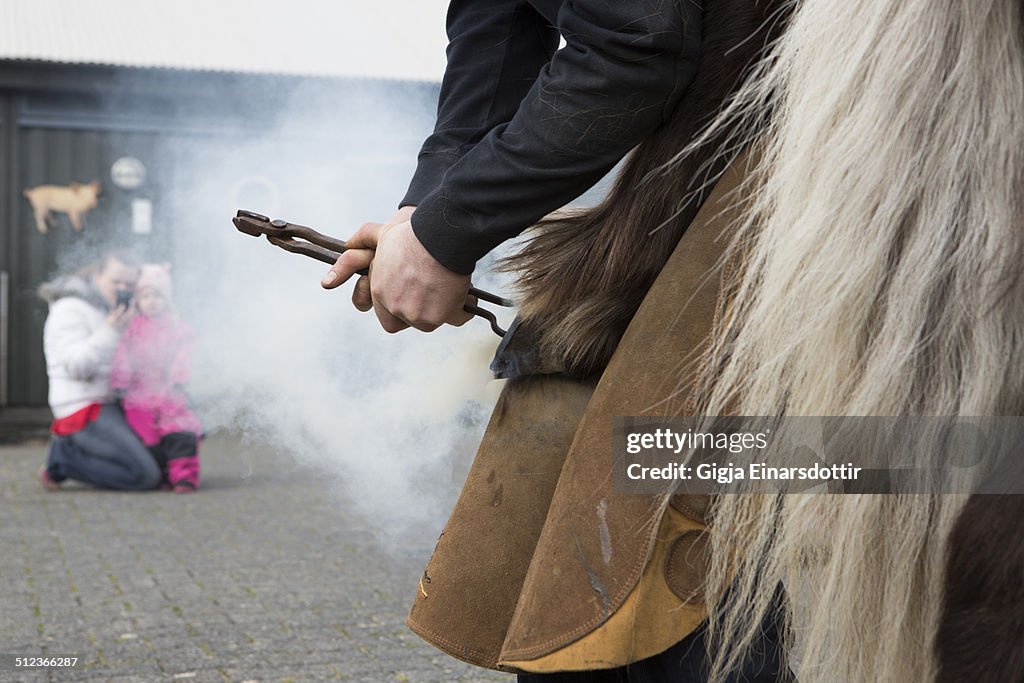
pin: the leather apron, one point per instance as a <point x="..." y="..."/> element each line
<point x="542" y="567"/>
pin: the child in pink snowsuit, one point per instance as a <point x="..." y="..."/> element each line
<point x="151" y="367"/>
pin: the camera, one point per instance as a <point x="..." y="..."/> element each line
<point x="124" y="297"/>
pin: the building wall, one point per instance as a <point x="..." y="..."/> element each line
<point x="199" y="136"/>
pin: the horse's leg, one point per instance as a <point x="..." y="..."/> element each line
<point x="981" y="635"/>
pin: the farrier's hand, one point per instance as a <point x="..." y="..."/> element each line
<point x="406" y="285"/>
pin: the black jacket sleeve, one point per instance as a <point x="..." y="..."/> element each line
<point x="496" y="48"/>
<point x="624" y="68"/>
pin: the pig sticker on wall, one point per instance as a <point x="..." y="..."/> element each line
<point x="75" y="200"/>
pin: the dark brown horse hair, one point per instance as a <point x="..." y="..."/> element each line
<point x="981" y="632"/>
<point x="582" y="277"/>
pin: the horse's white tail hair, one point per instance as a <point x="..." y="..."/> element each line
<point x="882" y="255"/>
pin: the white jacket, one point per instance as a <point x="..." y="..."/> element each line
<point x="79" y="345"/>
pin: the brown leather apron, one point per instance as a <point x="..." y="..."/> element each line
<point x="542" y="566"/>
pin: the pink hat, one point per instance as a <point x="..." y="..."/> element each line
<point x="156" y="276"/>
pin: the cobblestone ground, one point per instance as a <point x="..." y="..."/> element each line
<point x="261" y="576"/>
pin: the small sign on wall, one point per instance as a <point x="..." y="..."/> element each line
<point x="142" y="216"/>
<point x="128" y="173"/>
<point x="75" y="200"/>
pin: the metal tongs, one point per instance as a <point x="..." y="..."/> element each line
<point x="299" y="239"/>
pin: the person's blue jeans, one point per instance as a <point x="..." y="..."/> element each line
<point x="106" y="454"/>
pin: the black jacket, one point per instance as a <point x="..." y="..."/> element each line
<point x="522" y="129"/>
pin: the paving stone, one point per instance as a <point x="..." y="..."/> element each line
<point x="263" y="575"/>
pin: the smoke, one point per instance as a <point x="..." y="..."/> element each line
<point x="394" y="418"/>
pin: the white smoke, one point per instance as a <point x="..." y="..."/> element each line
<point x="396" y="418"/>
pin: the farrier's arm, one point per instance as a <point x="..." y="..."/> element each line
<point x="496" y="49"/>
<point x="624" y="68"/>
